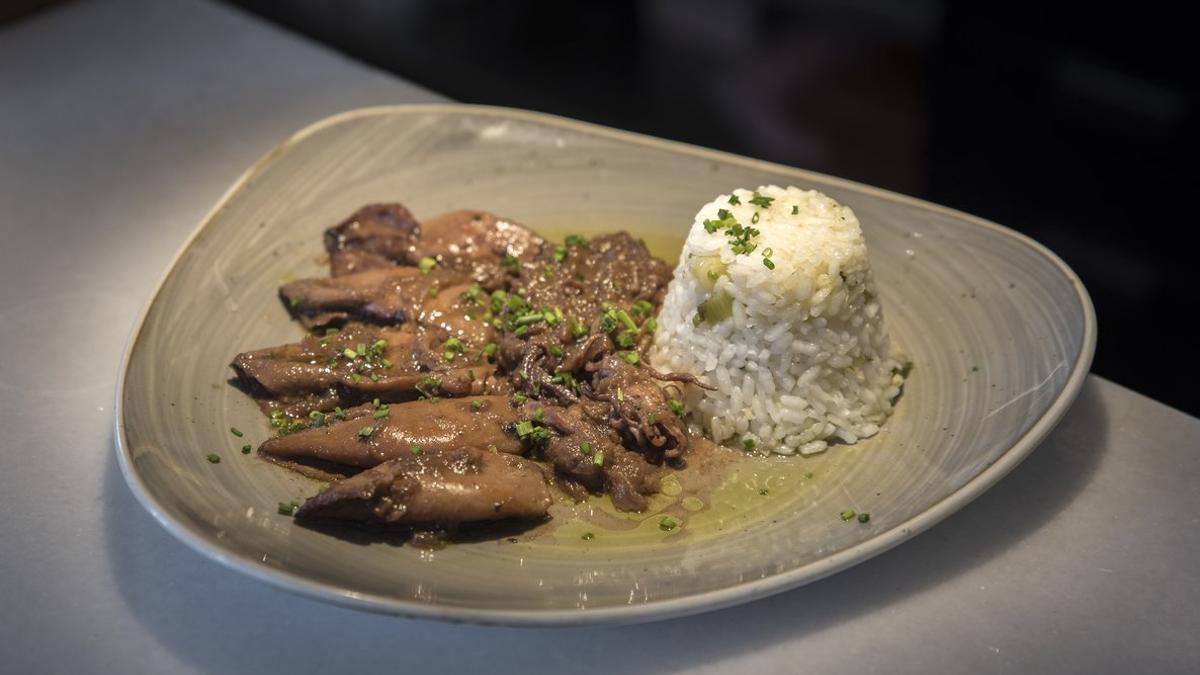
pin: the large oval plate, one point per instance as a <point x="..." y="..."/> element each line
<point x="1000" y="330"/>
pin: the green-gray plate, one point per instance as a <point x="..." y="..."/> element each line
<point x="1001" y="333"/>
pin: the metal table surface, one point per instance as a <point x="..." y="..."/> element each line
<point x="122" y="122"/>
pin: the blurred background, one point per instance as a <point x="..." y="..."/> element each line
<point x="1070" y="123"/>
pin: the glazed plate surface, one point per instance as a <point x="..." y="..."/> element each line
<point x="1001" y="333"/>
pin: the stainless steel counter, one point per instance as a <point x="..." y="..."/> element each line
<point x="122" y="122"/>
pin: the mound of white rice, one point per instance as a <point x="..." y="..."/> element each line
<point x="799" y="354"/>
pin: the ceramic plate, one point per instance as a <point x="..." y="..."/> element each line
<point x="1001" y="333"/>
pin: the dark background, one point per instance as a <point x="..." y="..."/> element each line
<point x="1070" y="123"/>
<point x="1067" y="122"/>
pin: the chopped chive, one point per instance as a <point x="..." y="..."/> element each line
<point x="585" y="446"/>
<point x="620" y="394"/>
<point x="416" y="450"/>
<point x="452" y="348"/>
<point x="477" y="405"/>
<point x="733" y="199"/>
<point x="630" y="357"/>
<point x="349" y="353"/>
<point x="472" y="295"/>
<point x="763" y="491"/>
<point x="651" y="325"/>
<point x="236" y="432"/>
<point x="625" y="319"/>
<point x="587" y="536"/>
<point x="288" y="508"/>
<point x="339" y="413"/>
<point x="521" y="331"/>
<point x="539" y="414"/>
<point x="864" y="517"/>
<point x="598" y="458"/>
<point x="331" y="331"/>
<point x="667" y="523"/>
<point x="519" y="398"/>
<point x="847" y="515"/>
<point x="213" y="458"/>
<point x="556" y="350"/>
<point x="578" y="329"/>
<point x="381" y="413"/>
<point x="426" y="265"/>
<point x="759" y="200"/>
<point x="489" y="350"/>
<point x="767" y="263"/>
<point x="754" y="218"/>
<point x="651" y="419"/>
<point x="575" y="240"/>
<point x="795" y="210"/>
<point x="366" y="432"/>
<point x="246" y="449"/>
<point x="748" y="443"/>
<point x="676" y="407"/>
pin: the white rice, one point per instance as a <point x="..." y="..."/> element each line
<point x="801" y="357"/>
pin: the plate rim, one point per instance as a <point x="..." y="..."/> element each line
<point x="652" y="611"/>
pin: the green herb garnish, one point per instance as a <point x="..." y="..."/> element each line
<point x="452" y="348"/>
<point x="676" y="407"/>
<point x="667" y="523"/>
<point x="236" y="432"/>
<point x="847" y="515"/>
<point x="472" y="295"/>
<point x="426" y="265"/>
<point x="213" y="458"/>
<point x="759" y="200"/>
<point x="428" y="385"/>
<point x="366" y="432"/>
